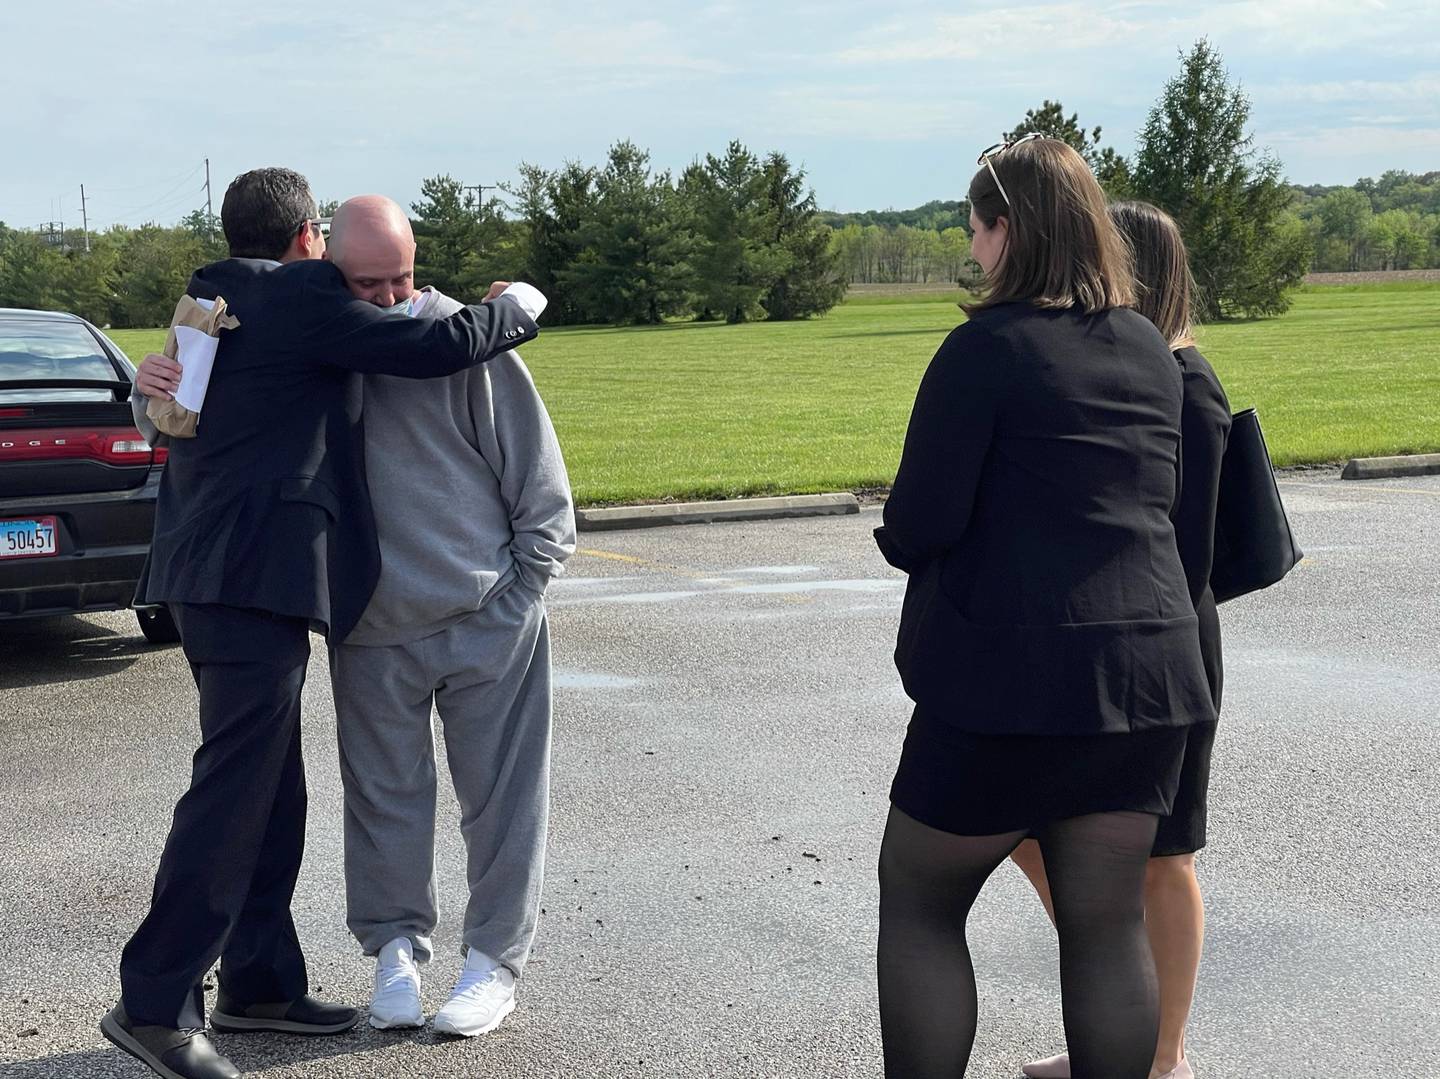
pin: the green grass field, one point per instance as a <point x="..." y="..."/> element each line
<point x="695" y="411"/>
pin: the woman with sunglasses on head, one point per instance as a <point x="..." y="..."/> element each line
<point x="1174" y="910"/>
<point x="1047" y="636"/>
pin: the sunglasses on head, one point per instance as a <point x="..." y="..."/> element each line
<point x="1000" y="148"/>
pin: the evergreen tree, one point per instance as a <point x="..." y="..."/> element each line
<point x="461" y="244"/>
<point x="810" y="281"/>
<point x="553" y="208"/>
<point x="1196" y="160"/>
<point x="735" y="265"/>
<point x="1110" y="168"/>
<point x="633" y="266"/>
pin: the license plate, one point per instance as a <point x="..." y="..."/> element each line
<point x="28" y="539"/>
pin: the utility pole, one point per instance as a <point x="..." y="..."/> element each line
<point x="209" y="212"/>
<point x="85" y="219"/>
<point x="480" y="190"/>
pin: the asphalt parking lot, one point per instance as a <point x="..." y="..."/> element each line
<point x="727" y="721"/>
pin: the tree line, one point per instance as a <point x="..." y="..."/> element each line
<point x="734" y="237"/>
<point x="1392" y="223"/>
<point x="737" y="236"/>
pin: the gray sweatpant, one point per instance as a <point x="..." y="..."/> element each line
<point x="489" y="679"/>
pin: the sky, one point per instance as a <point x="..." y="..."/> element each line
<point x="884" y="105"/>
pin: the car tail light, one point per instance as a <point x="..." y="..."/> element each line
<point x="111" y="446"/>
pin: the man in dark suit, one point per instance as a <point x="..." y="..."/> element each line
<point x="264" y="531"/>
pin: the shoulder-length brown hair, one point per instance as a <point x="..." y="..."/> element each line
<point x="1164" y="287"/>
<point x="1061" y="249"/>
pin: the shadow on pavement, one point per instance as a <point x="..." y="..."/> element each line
<point x="247" y="1052"/>
<point x="46" y="651"/>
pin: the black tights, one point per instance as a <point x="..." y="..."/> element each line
<point x="929" y="879"/>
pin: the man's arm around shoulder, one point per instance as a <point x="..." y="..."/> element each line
<point x="338" y="329"/>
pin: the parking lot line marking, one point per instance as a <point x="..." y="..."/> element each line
<point x="632" y="560"/>
<point x="1357" y="489"/>
<point x="614" y="556"/>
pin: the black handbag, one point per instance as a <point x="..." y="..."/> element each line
<point x="1254" y="546"/>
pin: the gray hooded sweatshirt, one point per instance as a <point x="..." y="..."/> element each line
<point x="469" y="489"/>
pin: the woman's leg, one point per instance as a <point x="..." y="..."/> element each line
<point x="1175" y="918"/>
<point x="1032" y="863"/>
<point x="1109" y="993"/>
<point x="928" y="881"/>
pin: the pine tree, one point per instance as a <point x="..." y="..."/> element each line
<point x="553" y="208"/>
<point x="1196" y="160"/>
<point x="459" y="240"/>
<point x="735" y="264"/>
<point x="634" y="263"/>
<point x="1110" y="168"/>
<point x="810" y="281"/>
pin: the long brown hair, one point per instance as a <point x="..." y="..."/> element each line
<point x="1061" y="248"/>
<point x="1164" y="287"/>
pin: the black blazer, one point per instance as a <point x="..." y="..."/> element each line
<point x="1204" y="430"/>
<point x="1032" y="510"/>
<point x="267" y="506"/>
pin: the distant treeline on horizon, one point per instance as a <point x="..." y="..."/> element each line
<point x="1392" y="223"/>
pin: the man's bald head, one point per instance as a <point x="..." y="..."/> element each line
<point x="372" y="243"/>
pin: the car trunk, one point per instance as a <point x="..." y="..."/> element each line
<point x="54" y="446"/>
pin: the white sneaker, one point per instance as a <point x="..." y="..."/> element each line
<point x="397" y="987"/>
<point x="484" y="994"/>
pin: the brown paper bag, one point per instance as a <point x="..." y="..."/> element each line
<point x="171" y="417"/>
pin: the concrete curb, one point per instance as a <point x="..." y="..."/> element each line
<point x="1381" y="468"/>
<point x="612" y="518"/>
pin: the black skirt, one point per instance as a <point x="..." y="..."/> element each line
<point x="988" y="784"/>
<point x="1183" y="831"/>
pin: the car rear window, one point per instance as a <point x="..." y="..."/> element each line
<point x="36" y="351"/>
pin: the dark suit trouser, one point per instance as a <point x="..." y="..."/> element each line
<point x="230" y="864"/>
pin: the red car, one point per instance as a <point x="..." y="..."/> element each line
<point x="77" y="480"/>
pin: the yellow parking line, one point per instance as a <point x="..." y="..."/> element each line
<point x="632" y="560"/>
<point x="614" y="556"/>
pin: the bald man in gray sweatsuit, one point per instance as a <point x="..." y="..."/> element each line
<point x="474" y="517"/>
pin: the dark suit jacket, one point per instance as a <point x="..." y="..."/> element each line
<point x="267" y="507"/>
<point x="1204" y="430"/>
<point x="1032" y="510"/>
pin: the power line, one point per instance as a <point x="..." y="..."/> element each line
<point x="148" y="185"/>
<point x="186" y="200"/>
<point x="168" y="196"/>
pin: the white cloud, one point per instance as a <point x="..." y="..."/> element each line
<point x="1420" y="88"/>
<point x="1022" y="35"/>
<point x="998" y="35"/>
<point x="865" y="113"/>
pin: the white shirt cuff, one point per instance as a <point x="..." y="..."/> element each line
<point x="531" y="300"/>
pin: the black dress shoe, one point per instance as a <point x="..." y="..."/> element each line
<point x="304" y="1016"/>
<point x="171" y="1053"/>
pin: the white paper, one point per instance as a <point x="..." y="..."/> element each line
<point x="197" y="358"/>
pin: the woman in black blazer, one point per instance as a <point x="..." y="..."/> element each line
<point x="1174" y="910"/>
<point x="1047" y="638"/>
